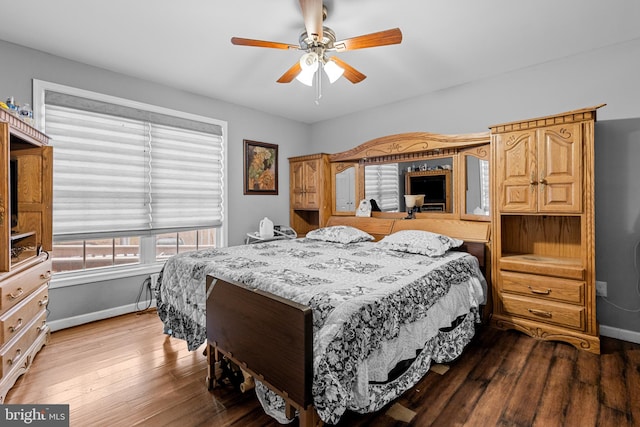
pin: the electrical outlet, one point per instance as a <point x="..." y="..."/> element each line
<point x="154" y="280"/>
<point x="601" y="288"/>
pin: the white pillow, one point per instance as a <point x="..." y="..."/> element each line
<point x="419" y="242"/>
<point x="340" y="234"/>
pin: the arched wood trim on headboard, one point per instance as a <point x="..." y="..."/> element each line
<point x="406" y="144"/>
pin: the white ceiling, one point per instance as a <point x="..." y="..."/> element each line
<point x="186" y="44"/>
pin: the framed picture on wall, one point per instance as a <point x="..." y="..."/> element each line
<point x="260" y="168"/>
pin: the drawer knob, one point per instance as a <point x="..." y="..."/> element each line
<point x="19" y="291"/>
<point x="17" y="326"/>
<point x="540" y="312"/>
<point x="46" y="276"/>
<point x="44" y="301"/>
<point x="17" y="355"/>
<point x="41" y="328"/>
<point x="538" y="291"/>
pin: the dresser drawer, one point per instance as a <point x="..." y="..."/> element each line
<point x="13" y="353"/>
<point x="17" y="287"/>
<point x="569" y="268"/>
<point x="14" y="320"/>
<point x="560" y="314"/>
<point x="552" y="288"/>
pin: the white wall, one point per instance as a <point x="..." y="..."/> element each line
<point x="618" y="224"/>
<point x="20" y="65"/>
<point x="609" y="75"/>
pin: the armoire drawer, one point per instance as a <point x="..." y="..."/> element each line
<point x="13" y="352"/>
<point x="17" y="287"/>
<point x="560" y="314"/>
<point x="552" y="288"/>
<point x="568" y="268"/>
<point x="16" y="319"/>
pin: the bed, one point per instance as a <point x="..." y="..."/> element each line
<point x="329" y="324"/>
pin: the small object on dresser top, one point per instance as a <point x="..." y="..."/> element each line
<point x="26" y="114"/>
<point x="13" y="108"/>
<point x="364" y="209"/>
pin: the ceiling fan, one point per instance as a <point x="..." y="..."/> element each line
<point x="316" y="41"/>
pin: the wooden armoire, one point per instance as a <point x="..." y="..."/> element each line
<point x="310" y="192"/>
<point x="26" y="239"/>
<point x="543" y="254"/>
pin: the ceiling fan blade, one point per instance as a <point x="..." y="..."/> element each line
<point x="312" y="14"/>
<point x="381" y="38"/>
<point x="350" y="73"/>
<point x="291" y="73"/>
<point x="239" y="41"/>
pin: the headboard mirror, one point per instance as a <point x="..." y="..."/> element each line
<point x="387" y="183"/>
<point x="344" y="178"/>
<point x="451" y="170"/>
<point x="474" y="181"/>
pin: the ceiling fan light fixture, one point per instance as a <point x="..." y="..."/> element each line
<point x="306" y="76"/>
<point x="316" y="40"/>
<point x="333" y="71"/>
<point x="309" y="64"/>
<point x="309" y="61"/>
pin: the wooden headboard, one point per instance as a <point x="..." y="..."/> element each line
<point x="377" y="227"/>
<point x="472" y="231"/>
<point x="475" y="234"/>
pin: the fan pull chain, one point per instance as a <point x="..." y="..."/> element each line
<point x="318" y="77"/>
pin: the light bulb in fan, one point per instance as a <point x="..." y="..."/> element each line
<point x="309" y="65"/>
<point x="309" y="61"/>
<point x="333" y="71"/>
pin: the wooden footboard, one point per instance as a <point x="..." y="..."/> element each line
<point x="271" y="338"/>
<point x="267" y="336"/>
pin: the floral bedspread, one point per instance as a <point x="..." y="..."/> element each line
<point x="372" y="308"/>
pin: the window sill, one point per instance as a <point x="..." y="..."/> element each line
<point x="63" y="280"/>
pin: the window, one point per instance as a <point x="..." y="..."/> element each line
<point x="132" y="183"/>
<point x="172" y="243"/>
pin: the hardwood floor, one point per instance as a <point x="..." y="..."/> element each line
<point x="125" y="372"/>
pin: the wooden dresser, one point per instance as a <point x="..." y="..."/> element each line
<point x="543" y="228"/>
<point x="26" y="238"/>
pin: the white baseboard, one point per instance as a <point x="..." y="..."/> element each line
<point x="56" y="325"/>
<point x="621" y="334"/>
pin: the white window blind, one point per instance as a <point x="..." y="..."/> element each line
<point x="122" y="171"/>
<point x="382" y="184"/>
<point x="186" y="176"/>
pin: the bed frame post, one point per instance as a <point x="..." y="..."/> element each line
<point x="309" y="417"/>
<point x="213" y="366"/>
